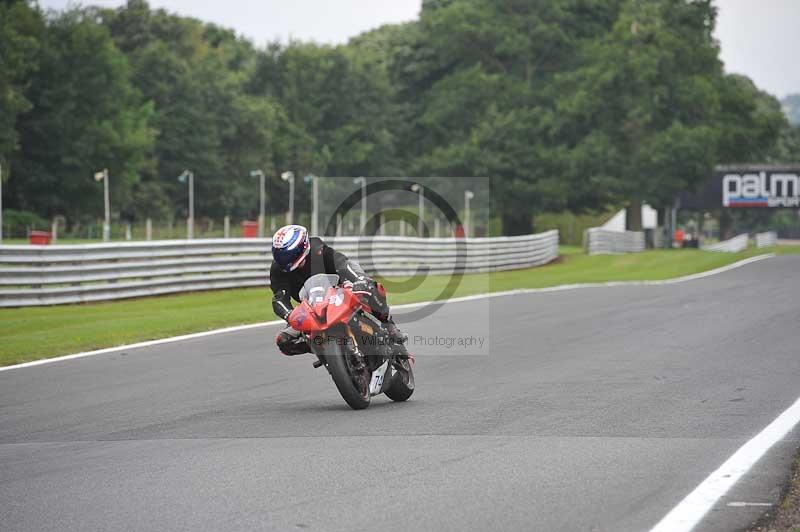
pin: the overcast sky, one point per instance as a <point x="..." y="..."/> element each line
<point x="759" y="38"/>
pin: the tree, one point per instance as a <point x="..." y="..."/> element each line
<point x="639" y="113"/>
<point x="84" y="116"/>
<point x="21" y="27"/>
<point x="483" y="75"/>
<point x="199" y="78"/>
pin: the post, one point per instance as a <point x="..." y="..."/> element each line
<point x="338" y="224"/>
<point x="148" y="229"/>
<point x="315" y="205"/>
<point x="363" y="220"/>
<point x="402" y="227"/>
<point x="227" y="224"/>
<point x="54" y="231"/>
<point x="673" y="223"/>
<point x="128" y="234"/>
<point x="262" y="200"/>
<point x="291" y="200"/>
<point x="468" y="195"/>
<point x="107" y="223"/>
<point x="382" y="229"/>
<point x="436" y="227"/>
<point x="421" y="221"/>
<point x="419" y="189"/>
<point x="1" y="203"/>
<point x="190" y="225"/>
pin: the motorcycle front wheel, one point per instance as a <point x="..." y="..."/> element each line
<point x="402" y="385"/>
<point x="352" y="382"/>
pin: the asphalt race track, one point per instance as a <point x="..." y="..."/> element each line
<point x="594" y="409"/>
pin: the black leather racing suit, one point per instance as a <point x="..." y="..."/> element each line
<point x="321" y="259"/>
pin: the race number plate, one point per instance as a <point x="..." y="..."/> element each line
<point x="377" y="379"/>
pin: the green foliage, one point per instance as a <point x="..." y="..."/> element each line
<point x="571" y="226"/>
<point x="85" y="116"/>
<point x="20" y="31"/>
<point x="17" y="223"/>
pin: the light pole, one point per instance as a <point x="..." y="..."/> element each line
<point x="363" y="182"/>
<point x="289" y="176"/>
<point x="103" y="176"/>
<point x="468" y="195"/>
<point x="263" y="194"/>
<point x="416" y="187"/>
<point x="315" y="205"/>
<point x="314" y="202"/>
<point x="190" y="222"/>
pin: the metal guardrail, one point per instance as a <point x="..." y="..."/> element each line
<point x="734" y="245"/>
<point x="766" y="240"/>
<point x="602" y="241"/>
<point x="52" y="275"/>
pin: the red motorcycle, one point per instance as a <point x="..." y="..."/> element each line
<point x="351" y="343"/>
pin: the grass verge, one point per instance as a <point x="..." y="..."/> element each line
<point x="33" y="333"/>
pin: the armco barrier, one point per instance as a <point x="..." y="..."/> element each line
<point x="601" y="241"/>
<point x="766" y="240"/>
<point x="734" y="245"/>
<point x="51" y="275"/>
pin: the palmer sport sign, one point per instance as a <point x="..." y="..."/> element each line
<point x="748" y="186"/>
<point x="761" y="189"/>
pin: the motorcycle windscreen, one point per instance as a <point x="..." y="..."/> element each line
<point x="315" y="288"/>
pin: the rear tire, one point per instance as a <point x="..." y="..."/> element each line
<point x="355" y="394"/>
<point x="402" y="386"/>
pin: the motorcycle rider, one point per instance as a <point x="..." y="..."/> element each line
<point x="297" y="258"/>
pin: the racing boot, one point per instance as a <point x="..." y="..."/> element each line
<point x="399" y="339"/>
<point x="395" y="334"/>
<point x="291" y="342"/>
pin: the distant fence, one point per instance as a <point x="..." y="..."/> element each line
<point x="601" y="241"/>
<point x="52" y="275"/>
<point x="734" y="245"/>
<point x="766" y="240"/>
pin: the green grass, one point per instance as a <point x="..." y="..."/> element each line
<point x="33" y="333"/>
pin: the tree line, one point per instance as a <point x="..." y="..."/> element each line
<point x="568" y="104"/>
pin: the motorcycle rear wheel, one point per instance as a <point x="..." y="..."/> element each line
<point x="352" y="385"/>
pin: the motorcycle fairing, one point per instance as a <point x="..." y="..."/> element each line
<point x="336" y="307"/>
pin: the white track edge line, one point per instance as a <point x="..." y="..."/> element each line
<point x="142" y="344"/>
<point x="558" y="288"/>
<point x="565" y="287"/>
<point x="691" y="510"/>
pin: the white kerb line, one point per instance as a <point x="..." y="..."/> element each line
<point x="691" y="510"/>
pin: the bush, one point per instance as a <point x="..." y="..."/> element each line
<point x="16" y="224"/>
<point x="570" y="226"/>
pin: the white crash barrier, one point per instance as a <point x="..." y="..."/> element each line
<point x="766" y="240"/>
<point x="52" y="275"/>
<point x="734" y="245"/>
<point x="601" y="241"/>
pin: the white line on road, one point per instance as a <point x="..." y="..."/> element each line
<point x="559" y="288"/>
<point x="691" y="510"/>
<point x="142" y="344"/>
<point x="746" y="504"/>
<point x="565" y="287"/>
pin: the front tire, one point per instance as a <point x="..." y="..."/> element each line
<point x="402" y="385"/>
<point x="352" y="385"/>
